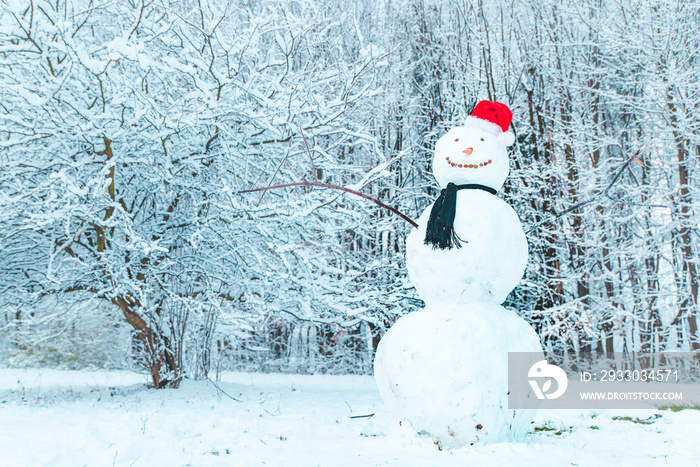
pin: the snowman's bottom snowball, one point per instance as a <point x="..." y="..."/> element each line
<point x="444" y="369"/>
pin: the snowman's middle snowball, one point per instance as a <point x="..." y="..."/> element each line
<point x="488" y="265"/>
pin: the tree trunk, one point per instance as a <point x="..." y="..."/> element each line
<point x="160" y="355"/>
<point x="689" y="270"/>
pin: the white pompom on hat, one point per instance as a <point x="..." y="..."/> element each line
<point x="494" y="118"/>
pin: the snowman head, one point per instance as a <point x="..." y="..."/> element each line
<point x="476" y="152"/>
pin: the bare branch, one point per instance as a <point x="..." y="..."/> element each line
<point x="605" y="192"/>
<point x="313" y="166"/>
<point x="334" y="187"/>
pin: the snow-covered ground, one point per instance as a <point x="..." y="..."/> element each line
<point x="68" y="418"/>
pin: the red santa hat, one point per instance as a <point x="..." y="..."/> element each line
<point x="494" y="118"/>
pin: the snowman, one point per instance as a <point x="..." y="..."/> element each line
<point x="444" y="369"/>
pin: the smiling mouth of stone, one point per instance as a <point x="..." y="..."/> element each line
<point x="468" y="166"/>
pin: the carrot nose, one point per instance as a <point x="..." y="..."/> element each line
<point x="468" y="151"/>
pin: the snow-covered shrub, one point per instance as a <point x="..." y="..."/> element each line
<point x="52" y="334"/>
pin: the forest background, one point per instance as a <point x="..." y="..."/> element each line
<point x="128" y="131"/>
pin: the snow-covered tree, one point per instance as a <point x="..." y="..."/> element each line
<point x="131" y="128"/>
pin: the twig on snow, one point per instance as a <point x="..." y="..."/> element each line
<point x="222" y="391"/>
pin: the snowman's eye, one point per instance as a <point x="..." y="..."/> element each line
<point x="482" y="139"/>
<point x="456" y="139"/>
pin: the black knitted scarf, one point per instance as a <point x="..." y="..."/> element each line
<point x="440" y="232"/>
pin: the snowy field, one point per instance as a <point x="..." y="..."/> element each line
<point x="67" y="418"/>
